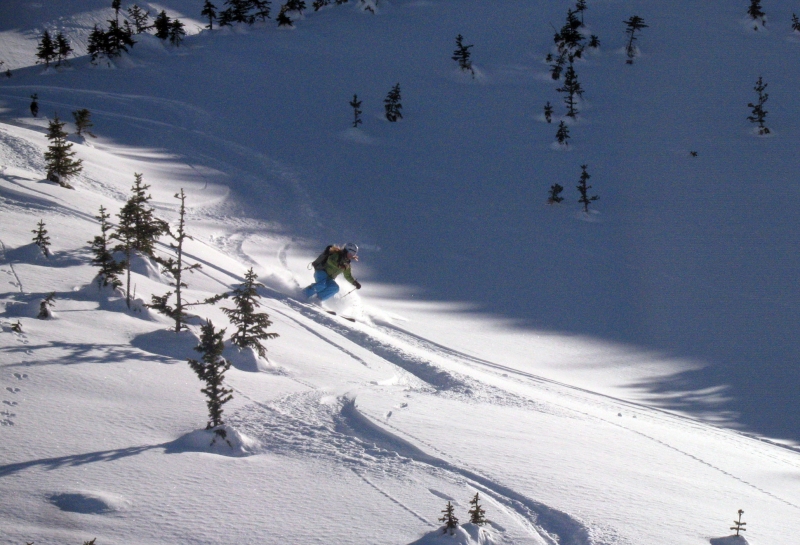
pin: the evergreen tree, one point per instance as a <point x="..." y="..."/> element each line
<point x="147" y="228"/>
<point x="556" y="65"/>
<point x="210" y="13"/>
<point x="449" y="518"/>
<point x="59" y="155"/>
<point x="356" y="104"/>
<point x="317" y="4"/>
<point x="594" y="41"/>
<point x="738" y="525"/>
<point x="211" y="369"/>
<point x="294" y="5"/>
<point x="45" y="306"/>
<point x="284" y="20"/>
<point x="35" y="105"/>
<point x="555" y="194"/>
<point x="632" y="25"/>
<point x="118" y="39"/>
<point x="462" y="55"/>
<point x="261" y="10"/>
<point x="756" y="12"/>
<point x="795" y="23"/>
<point x="96" y="45"/>
<point x="238" y="11"/>
<point x="583" y="188"/>
<point x="116" y="5"/>
<point x="250" y="325"/>
<point x="41" y="239"/>
<point x="759" y="113"/>
<point x="476" y="512"/>
<point x="161" y="25"/>
<point x="176" y="32"/>
<point x="392" y="104"/>
<point x="126" y="235"/>
<point x="103" y="259"/>
<point x="571" y="89"/>
<point x="175" y="267"/>
<point x="46" y="50"/>
<point x="581" y="7"/>
<point x="83" y="122"/>
<point x="548" y="112"/>
<point x="562" y="135"/>
<point x="140" y="18"/>
<point x="63" y="49"/>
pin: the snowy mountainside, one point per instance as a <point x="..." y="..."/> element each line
<point x="621" y="377"/>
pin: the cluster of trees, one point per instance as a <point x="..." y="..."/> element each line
<point x="583" y="188"/>
<point x="392" y="106"/>
<point x="53" y="49"/>
<point x="477" y="515"/>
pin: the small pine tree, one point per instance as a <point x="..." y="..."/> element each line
<point x="46" y="50"/>
<point x="63" y="49"/>
<point x="756" y="12"/>
<point x="116" y="5"/>
<point x="161" y="24"/>
<point x="318" y="4"/>
<point x="462" y="56"/>
<point x="284" y="20"/>
<point x="140" y="18"/>
<point x="632" y="25"/>
<point x="59" y="155"/>
<point x="548" y="112"/>
<point x="118" y="38"/>
<point x="739" y="526"/>
<point x="571" y="89"/>
<point x="392" y="104"/>
<point x="555" y="194"/>
<point x="261" y="10"/>
<point x="583" y="189"/>
<point x="41" y="239"/>
<point x="356" y="104"/>
<point x="83" y="122"/>
<point x="294" y="5"/>
<point x="556" y="65"/>
<point x="250" y="325"/>
<point x="147" y="227"/>
<point x="35" y="105"/>
<point x="96" y="45"/>
<point x="759" y="113"/>
<point x="562" y="135"/>
<point x="594" y="41"/>
<point x="175" y="267"/>
<point x="210" y="13"/>
<point x="581" y="7"/>
<point x="449" y="518"/>
<point x="176" y="32"/>
<point x="795" y="23"/>
<point x="476" y="512"/>
<point x="45" y="306"/>
<point x="103" y="259"/>
<point x="211" y="369"/>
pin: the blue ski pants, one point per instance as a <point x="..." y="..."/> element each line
<point x="324" y="286"/>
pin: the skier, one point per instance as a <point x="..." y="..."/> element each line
<point x="328" y="266"/>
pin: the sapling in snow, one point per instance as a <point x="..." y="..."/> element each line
<point x="795" y="23"/>
<point x="140" y="18"/>
<point x="583" y="189"/>
<point x="739" y="526"/>
<point x="210" y="13"/>
<point x="756" y="12"/>
<point x="59" y="157"/>
<point x="262" y="9"/>
<point x="759" y="114"/>
<point x="548" y="112"/>
<point x="63" y="49"/>
<point x="103" y="259"/>
<point x="449" y="518"/>
<point x="562" y="134"/>
<point x="83" y="122"/>
<point x="176" y="32"/>
<point x="250" y="325"/>
<point x="476" y="512"/>
<point x="41" y="239"/>
<point x="632" y="25"/>
<point x="46" y="49"/>
<point x="284" y="20"/>
<point x="462" y="56"/>
<point x="356" y="104"/>
<point x="571" y="89"/>
<point x="392" y="104"/>
<point x="44" y="307"/>
<point x="554" y="197"/>
<point x="211" y="369"/>
<point x="161" y="25"/>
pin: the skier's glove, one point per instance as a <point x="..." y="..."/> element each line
<point x="357" y="284"/>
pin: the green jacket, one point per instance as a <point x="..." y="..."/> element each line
<point x="338" y="263"/>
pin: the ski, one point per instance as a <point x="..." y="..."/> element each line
<point x="340" y="316"/>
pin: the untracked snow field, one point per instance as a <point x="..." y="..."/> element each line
<point x="623" y="377"/>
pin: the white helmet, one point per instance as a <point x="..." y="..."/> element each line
<point x="351" y="248"/>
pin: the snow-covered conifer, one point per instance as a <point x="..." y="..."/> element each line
<point x="161" y="25"/>
<point x="109" y="268"/>
<point x="583" y="189"/>
<point x="211" y="369"/>
<point x="59" y="157"/>
<point x="210" y="13"/>
<point x="562" y="134"/>
<point x="140" y="18"/>
<point x="46" y="50"/>
<point x="45" y="305"/>
<point x="175" y="267"/>
<point x="35" y="105"/>
<point x="554" y="196"/>
<point x="759" y="114"/>
<point x="41" y="239"/>
<point x="633" y="24"/>
<point x="83" y="122"/>
<point x="449" y="518"/>
<point x="548" y="112"/>
<point x="476" y="512"/>
<point x="250" y="325"/>
<point x="462" y="55"/>
<point x="356" y="104"/>
<point x="392" y="104"/>
<point x="147" y="227"/>
<point x="176" y="32"/>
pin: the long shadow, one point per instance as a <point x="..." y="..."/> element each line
<point x="77" y="353"/>
<point x="74" y="460"/>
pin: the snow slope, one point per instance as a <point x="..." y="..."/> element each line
<point x="625" y="377"/>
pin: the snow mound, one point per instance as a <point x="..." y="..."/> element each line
<point x="728" y="540"/>
<point x="234" y="443"/>
<point x="244" y="359"/>
<point x="467" y="534"/>
<point x="90" y="503"/>
<point x="146" y="267"/>
<point x="163" y="342"/>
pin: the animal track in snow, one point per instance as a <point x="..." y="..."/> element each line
<point x="21" y="376"/>
<point x="10" y="403"/>
<point x="13" y="390"/>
